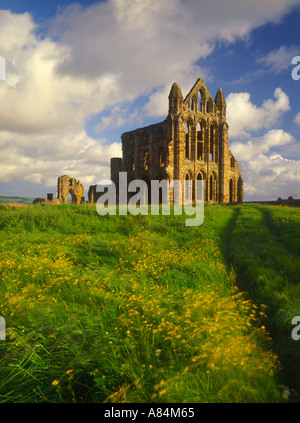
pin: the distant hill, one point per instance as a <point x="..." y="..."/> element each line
<point x="21" y="200"/>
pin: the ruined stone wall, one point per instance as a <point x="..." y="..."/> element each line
<point x="68" y="185"/>
<point x="190" y="144"/>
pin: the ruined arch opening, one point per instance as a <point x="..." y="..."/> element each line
<point x="146" y="160"/>
<point x="69" y="198"/>
<point x="188" y="188"/>
<point x="200" y="187"/>
<point x="162" y="157"/>
<point x="200" y="100"/>
<point x="213" y="187"/>
<point x="187" y="140"/>
<point x="209" y="106"/>
<point x="192" y="104"/>
<point x="199" y="141"/>
<point x="72" y="198"/>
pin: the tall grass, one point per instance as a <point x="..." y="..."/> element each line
<point x="126" y="309"/>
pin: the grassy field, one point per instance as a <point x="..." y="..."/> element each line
<point x="145" y="309"/>
<point x="264" y="246"/>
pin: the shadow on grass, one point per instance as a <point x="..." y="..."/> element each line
<point x="260" y="261"/>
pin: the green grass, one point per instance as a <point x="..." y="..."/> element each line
<point x="136" y="309"/>
<point x="264" y="246"/>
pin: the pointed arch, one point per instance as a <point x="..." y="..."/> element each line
<point x="211" y="143"/>
<point x="200" y="132"/>
<point x="146" y="160"/>
<point x="187" y="139"/>
<point x="209" y="106"/>
<point x="213" y="187"/>
<point x="188" y="186"/>
<point x="200" y="100"/>
<point x="192" y="104"/>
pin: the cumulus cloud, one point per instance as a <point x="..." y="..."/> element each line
<point x="262" y="145"/>
<point x="270" y="162"/>
<point x="271" y="176"/>
<point x="297" y="119"/>
<point x="51" y="156"/>
<point x="267" y="173"/>
<point x="244" y="116"/>
<point x="119" y="116"/>
<point x="151" y="45"/>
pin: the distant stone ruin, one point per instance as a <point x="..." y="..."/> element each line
<point x="65" y="186"/>
<point x="68" y="185"/>
<point x="93" y="194"/>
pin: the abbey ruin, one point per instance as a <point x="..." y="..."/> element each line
<point x="190" y="144"/>
<point x="66" y="186"/>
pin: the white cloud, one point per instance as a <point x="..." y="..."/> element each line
<point x="270" y="177"/>
<point x="280" y="59"/>
<point x="118" y="117"/>
<point x="78" y="155"/>
<point x="297" y="119"/>
<point x="262" y="145"/>
<point x="244" y="116"/>
<point x="267" y="174"/>
<point x="151" y="45"/>
<point x="97" y="57"/>
<point x="267" y="171"/>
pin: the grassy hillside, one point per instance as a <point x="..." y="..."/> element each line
<point x="15" y="200"/>
<point x="264" y="246"/>
<point x="138" y="309"/>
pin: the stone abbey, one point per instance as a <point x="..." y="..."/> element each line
<point x="190" y="144"/>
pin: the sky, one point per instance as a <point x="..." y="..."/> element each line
<point x="80" y="74"/>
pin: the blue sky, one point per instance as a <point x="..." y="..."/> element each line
<point x="79" y="75"/>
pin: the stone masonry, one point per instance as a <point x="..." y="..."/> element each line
<point x="190" y="144"/>
<point x="68" y="185"/>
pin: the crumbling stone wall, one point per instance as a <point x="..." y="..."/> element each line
<point x="65" y="185"/>
<point x="190" y="144"/>
<point x="68" y="185"/>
